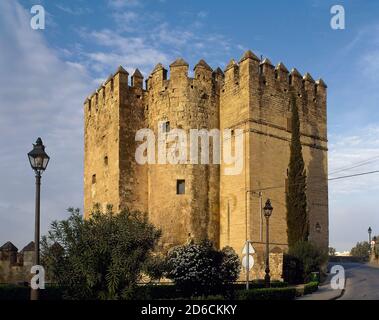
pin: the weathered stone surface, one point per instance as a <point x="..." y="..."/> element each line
<point x="250" y="96"/>
<point x="15" y="266"/>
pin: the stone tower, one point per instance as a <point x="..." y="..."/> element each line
<point x="199" y="201"/>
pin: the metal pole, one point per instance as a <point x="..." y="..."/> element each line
<point x="35" y="293"/>
<point x="261" y="216"/>
<point x="246" y="215"/>
<point x="247" y="264"/>
<point x="267" y="275"/>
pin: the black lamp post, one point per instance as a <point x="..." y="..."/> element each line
<point x="267" y="212"/>
<point x="39" y="160"/>
<point x="369" y="235"/>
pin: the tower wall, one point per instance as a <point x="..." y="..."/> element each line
<point x="253" y="96"/>
<point x="256" y="98"/>
<point x="112" y="115"/>
<point x="186" y="104"/>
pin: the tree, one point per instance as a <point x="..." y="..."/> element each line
<point x="296" y="199"/>
<point x="100" y="258"/>
<point x="311" y="258"/>
<point x="155" y="267"/>
<point x="332" y="251"/>
<point x="199" y="269"/>
<point x="361" y="250"/>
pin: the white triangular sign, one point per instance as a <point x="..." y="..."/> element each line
<point x="251" y="249"/>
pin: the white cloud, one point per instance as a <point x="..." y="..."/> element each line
<point x="142" y="38"/>
<point x="76" y="11"/>
<point x="128" y="51"/>
<point x="124" y="3"/>
<point x="346" y="151"/>
<point x="40" y="95"/>
<point x="127" y="21"/>
<point x="351" y="200"/>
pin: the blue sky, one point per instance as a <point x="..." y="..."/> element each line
<point x="46" y="75"/>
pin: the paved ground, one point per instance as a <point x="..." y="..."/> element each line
<point x="362" y="282"/>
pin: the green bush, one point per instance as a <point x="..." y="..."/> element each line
<point x="267" y="294"/>
<point x="170" y="291"/>
<point x="259" y="284"/>
<point x="200" y="269"/>
<point x="293" y="272"/>
<point x="309" y="258"/>
<point x="156" y="292"/>
<point x="214" y="297"/>
<point x="14" y="292"/>
<point x="17" y="292"/>
<point x="101" y="257"/>
<point x="361" y="250"/>
<point x="310" y="287"/>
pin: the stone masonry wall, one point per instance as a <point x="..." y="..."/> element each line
<point x="251" y="95"/>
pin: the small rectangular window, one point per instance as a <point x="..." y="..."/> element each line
<point x="180" y="186"/>
<point x="166" y="126"/>
<point x="94" y="179"/>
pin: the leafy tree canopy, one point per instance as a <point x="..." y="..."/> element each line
<point x="361" y="249"/>
<point x="98" y="258"/>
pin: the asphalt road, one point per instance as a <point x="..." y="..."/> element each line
<point x="362" y="282"/>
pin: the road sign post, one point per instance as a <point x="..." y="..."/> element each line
<point x="248" y="260"/>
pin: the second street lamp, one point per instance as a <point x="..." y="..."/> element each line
<point x="39" y="160"/>
<point x="267" y="212"/>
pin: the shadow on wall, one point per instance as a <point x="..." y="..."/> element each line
<point x="317" y="186"/>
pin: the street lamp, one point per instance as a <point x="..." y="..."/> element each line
<point x="267" y="212"/>
<point x="39" y="160"/>
<point x="369" y="235"/>
<point x="318" y="227"/>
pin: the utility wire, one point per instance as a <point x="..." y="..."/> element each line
<point x="356" y="165"/>
<point x="330" y="179"/>
<point x="354" y="175"/>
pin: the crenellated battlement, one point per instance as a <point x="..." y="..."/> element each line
<point x="112" y="88"/>
<point x="265" y="73"/>
<point x="251" y="94"/>
<point x="249" y="68"/>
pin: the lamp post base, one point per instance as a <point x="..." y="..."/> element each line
<point x="34" y="294"/>
<point x="267" y="281"/>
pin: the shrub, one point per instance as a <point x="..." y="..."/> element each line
<point x="361" y="250"/>
<point x="267" y="294"/>
<point x="293" y="272"/>
<point x="155" y="267"/>
<point x="214" y="297"/>
<point x="99" y="258"/>
<point x="259" y="284"/>
<point x="199" y="269"/>
<point x="308" y="258"/>
<point x="156" y="292"/>
<point x="310" y="287"/>
<point x="18" y="292"/>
